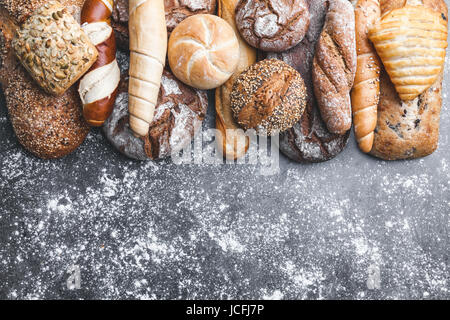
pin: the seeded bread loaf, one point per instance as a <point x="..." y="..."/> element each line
<point x="49" y="127"/>
<point x="408" y="130"/>
<point x="309" y="140"/>
<point x="53" y="48"/>
<point x="269" y="96"/>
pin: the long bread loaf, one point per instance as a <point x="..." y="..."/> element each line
<point x="148" y="48"/>
<point x="366" y="89"/>
<point x="233" y="143"/>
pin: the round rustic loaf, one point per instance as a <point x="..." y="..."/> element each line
<point x="203" y="51"/>
<point x="309" y="139"/>
<point x="270" y="97"/>
<point x="179" y="113"/>
<point x="272" y="25"/>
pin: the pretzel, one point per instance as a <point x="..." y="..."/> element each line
<point x="98" y="87"/>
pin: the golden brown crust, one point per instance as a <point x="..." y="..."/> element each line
<point x="234" y="143"/>
<point x="366" y="89"/>
<point x="269" y="96"/>
<point x="408" y="130"/>
<point x="411" y="42"/>
<point x="203" y="51"/>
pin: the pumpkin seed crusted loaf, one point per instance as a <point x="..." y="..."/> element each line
<point x="53" y="48"/>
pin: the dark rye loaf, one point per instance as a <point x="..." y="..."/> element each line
<point x="178" y="116"/>
<point x="309" y="140"/>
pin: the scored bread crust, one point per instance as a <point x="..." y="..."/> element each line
<point x="203" y="51"/>
<point x="408" y="130"/>
<point x="334" y="66"/>
<point x="233" y="143"/>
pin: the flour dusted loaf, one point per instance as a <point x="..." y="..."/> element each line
<point x="178" y="116"/>
<point x="49" y="127"/>
<point x="203" y="51"/>
<point x="334" y="66"/>
<point x="309" y="139"/>
<point x="408" y="129"/>
<point x="272" y="25"/>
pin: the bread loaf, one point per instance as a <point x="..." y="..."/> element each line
<point x="309" y="140"/>
<point x="203" y="51"/>
<point x="53" y="48"/>
<point x="334" y="66"/>
<point x="233" y="143"/>
<point x="179" y="113"/>
<point x="408" y="130"/>
<point x="47" y="126"/>
<point x="366" y="89"/>
<point x="272" y="25"/>
<point x="148" y="47"/>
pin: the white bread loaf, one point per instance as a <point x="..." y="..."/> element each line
<point x="203" y="51"/>
<point x="148" y="47"/>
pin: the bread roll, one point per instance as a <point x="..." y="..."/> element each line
<point x="233" y="143"/>
<point x="203" y="51"/>
<point x="366" y="89"/>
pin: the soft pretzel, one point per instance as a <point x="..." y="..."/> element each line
<point x="98" y="88"/>
<point x="148" y="48"/>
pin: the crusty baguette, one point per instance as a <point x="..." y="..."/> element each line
<point x="234" y="143"/>
<point x="148" y="48"/>
<point x="366" y="89"/>
<point x="408" y="129"/>
<point x="334" y="66"/>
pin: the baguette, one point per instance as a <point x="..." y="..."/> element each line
<point x="234" y="144"/>
<point x="334" y="66"/>
<point x="148" y="48"/>
<point x="408" y="129"/>
<point x="366" y="89"/>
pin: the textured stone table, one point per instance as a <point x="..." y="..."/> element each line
<point x="354" y="227"/>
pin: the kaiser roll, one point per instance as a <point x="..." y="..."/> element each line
<point x="203" y="51"/>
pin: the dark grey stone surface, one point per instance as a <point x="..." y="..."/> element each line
<point x="354" y="227"/>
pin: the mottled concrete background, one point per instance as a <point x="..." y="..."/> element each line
<point x="354" y="227"/>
